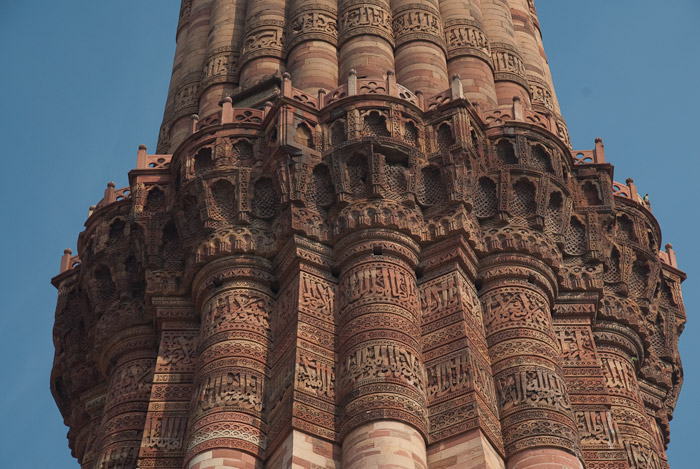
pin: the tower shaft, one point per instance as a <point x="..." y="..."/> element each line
<point x="365" y="242"/>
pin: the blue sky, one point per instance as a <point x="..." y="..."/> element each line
<point x="83" y="83"/>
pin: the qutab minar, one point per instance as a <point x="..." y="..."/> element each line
<point x="364" y="242"/>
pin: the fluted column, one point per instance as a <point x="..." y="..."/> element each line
<point x="468" y="50"/>
<point x="600" y="443"/>
<point x="226" y="418"/>
<point x="545" y="63"/>
<point x="164" y="432"/>
<point x="381" y="378"/>
<point x="164" y="143"/>
<point x="544" y="96"/>
<point x="187" y="93"/>
<point x="133" y="354"/>
<point x="509" y="67"/>
<point x="620" y="349"/>
<point x="535" y="410"/>
<point x="301" y="399"/>
<point x="85" y="442"/>
<point x="197" y="38"/>
<point x="312" y="40"/>
<point x="262" y="53"/>
<point x="419" y="52"/>
<point x="223" y="49"/>
<point x="526" y="36"/>
<point x="180" y="50"/>
<point x="462" y="405"/>
<point x="547" y="72"/>
<point x="365" y="38"/>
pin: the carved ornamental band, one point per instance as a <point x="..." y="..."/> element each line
<point x="466" y="37"/>
<point x="417" y="22"/>
<point x="508" y="64"/>
<point x="365" y="242"/>
<point x="313" y="22"/>
<point x="363" y="17"/>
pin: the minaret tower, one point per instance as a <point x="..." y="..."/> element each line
<point x="364" y="242"/>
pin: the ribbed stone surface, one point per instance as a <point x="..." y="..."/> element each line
<point x="364" y="242"/>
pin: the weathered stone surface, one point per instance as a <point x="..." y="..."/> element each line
<point x="366" y="243"/>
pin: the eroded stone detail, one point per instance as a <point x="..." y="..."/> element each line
<point x="307" y="264"/>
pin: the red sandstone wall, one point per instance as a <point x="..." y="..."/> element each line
<point x="371" y="247"/>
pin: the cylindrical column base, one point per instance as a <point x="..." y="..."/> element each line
<point x="365" y="38"/>
<point x="535" y="409"/>
<point x="509" y="68"/>
<point x="419" y="37"/>
<point x="507" y="90"/>
<point x="224" y="457"/>
<point x="384" y="444"/>
<point x="234" y="302"/>
<point x="544" y="458"/>
<point x="421" y="66"/>
<point x="312" y="44"/>
<point x="370" y="56"/>
<point x="477" y="79"/>
<point x="314" y="66"/>
<point x="380" y="372"/>
<point x="131" y="358"/>
<point x="260" y="69"/>
<point x="262" y="52"/>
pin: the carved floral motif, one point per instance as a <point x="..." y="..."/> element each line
<point x="243" y="307"/>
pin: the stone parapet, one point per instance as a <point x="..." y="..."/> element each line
<point x="341" y="258"/>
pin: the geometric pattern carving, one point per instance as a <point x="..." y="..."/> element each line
<point x="486" y="202"/>
<point x="575" y="238"/>
<point x="224" y="196"/>
<point x="431" y="191"/>
<point x="523" y="203"/>
<point x="331" y="266"/>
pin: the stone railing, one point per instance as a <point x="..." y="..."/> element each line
<point x="112" y="195"/>
<point x="69" y="261"/>
<point x="229" y="115"/>
<point x="595" y="156"/>
<point x="517" y="112"/>
<point x="454" y="92"/>
<point x="365" y="86"/>
<point x="144" y="161"/>
<point x="297" y="95"/>
<point x="628" y="191"/>
<point x="668" y="256"/>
